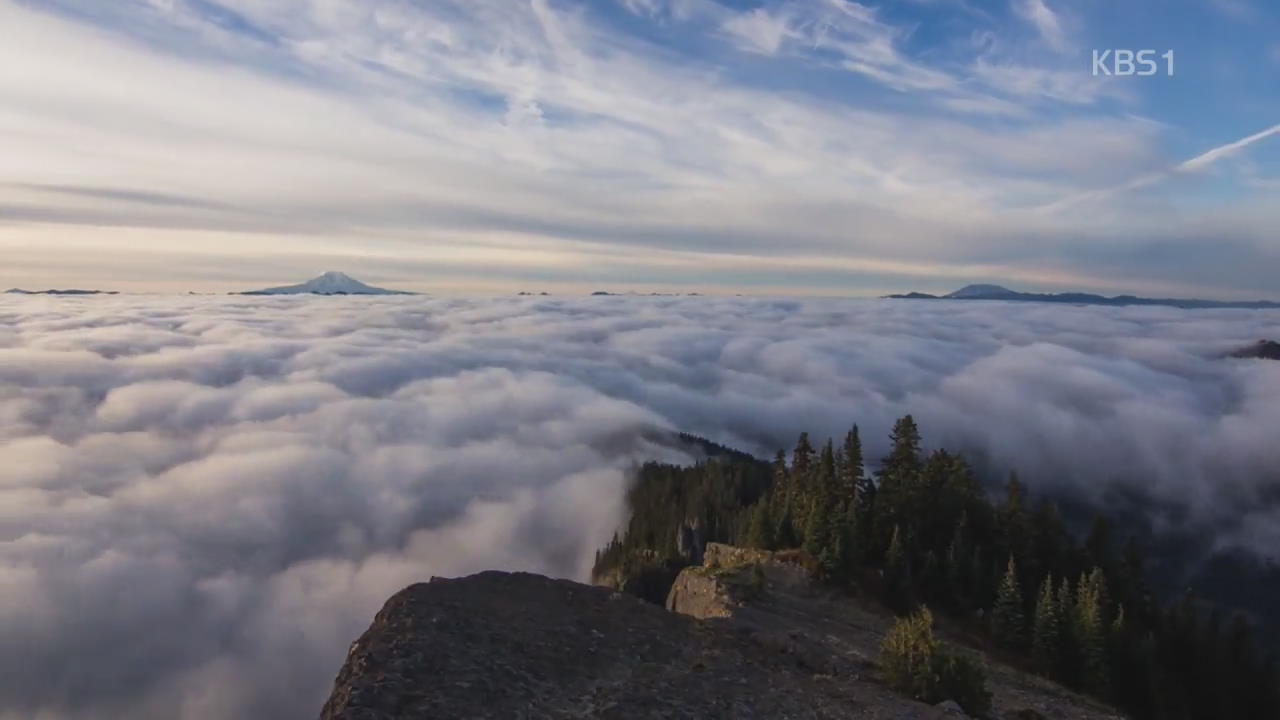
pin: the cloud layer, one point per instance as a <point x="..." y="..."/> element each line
<point x="203" y="500"/>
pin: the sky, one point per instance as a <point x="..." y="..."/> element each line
<point x="803" y="147"/>
<point x="205" y="499"/>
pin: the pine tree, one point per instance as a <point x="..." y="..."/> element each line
<point x="897" y="474"/>
<point x="802" y="483"/>
<point x="864" y="549"/>
<point x="1046" y="637"/>
<point x="904" y="457"/>
<point x="1091" y="632"/>
<point x="959" y="566"/>
<point x="933" y="581"/>
<point x="780" y="474"/>
<point x="982" y="583"/>
<point x="785" y="536"/>
<point x="1131" y="590"/>
<point x="802" y="461"/>
<point x="1008" y="622"/>
<point x="897" y="574"/>
<point x="817" y="529"/>
<point x="851" y="465"/>
<point x="1012" y="518"/>
<point x="833" y="562"/>
<point x="827" y="469"/>
<point x="820" y="526"/>
<point x="761" y="532"/>
<point x="1067" y="646"/>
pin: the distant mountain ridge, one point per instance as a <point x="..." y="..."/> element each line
<point x="997" y="292"/>
<point x="329" y="283"/>
<point x="20" y="291"/>
<point x="1261" y="350"/>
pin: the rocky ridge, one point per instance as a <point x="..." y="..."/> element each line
<point x="748" y="636"/>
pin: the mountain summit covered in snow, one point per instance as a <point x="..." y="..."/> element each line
<point x="330" y="283"/>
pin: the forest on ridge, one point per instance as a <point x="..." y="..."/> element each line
<point x="921" y="530"/>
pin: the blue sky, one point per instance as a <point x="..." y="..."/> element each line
<point x="795" y="147"/>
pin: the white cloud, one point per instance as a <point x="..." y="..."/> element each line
<point x="1196" y="164"/>
<point x="243" y="481"/>
<point x="1045" y="21"/>
<point x="758" y="30"/>
<point x="492" y="142"/>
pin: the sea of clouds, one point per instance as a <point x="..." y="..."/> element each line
<point x="203" y="500"/>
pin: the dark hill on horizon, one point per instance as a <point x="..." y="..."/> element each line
<point x="1262" y="350"/>
<point x="997" y="292"/>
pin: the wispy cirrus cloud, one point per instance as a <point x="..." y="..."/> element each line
<point x="384" y="128"/>
<point x="1191" y="165"/>
<point x="1046" y="22"/>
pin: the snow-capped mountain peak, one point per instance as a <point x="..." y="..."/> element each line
<point x="329" y="283"/>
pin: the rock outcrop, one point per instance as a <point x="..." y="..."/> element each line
<point x="731" y="577"/>
<point x="515" y="645"/>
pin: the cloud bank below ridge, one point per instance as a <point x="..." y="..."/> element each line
<point x="203" y="500"/>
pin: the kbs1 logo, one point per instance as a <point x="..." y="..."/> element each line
<point x="1121" y="63"/>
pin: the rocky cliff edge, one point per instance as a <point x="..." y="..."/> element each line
<point x="516" y="645"/>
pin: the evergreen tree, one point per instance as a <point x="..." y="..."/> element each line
<point x="1131" y="585"/>
<point x="802" y="483"/>
<point x="933" y="580"/>
<point x="761" y="532"/>
<point x="1102" y="633"/>
<point x="898" y="472"/>
<point x="827" y="469"/>
<point x="1012" y="518"/>
<point x="817" y="529"/>
<point x="785" y="536"/>
<point x="897" y="574"/>
<point x="1008" y="622"/>
<point x="1091" y="632"/>
<point x="802" y="461"/>
<point x="1067" y="665"/>
<point x="1046" y="637"/>
<point x="780" y="474"/>
<point x="982" y="584"/>
<point x="851" y="465"/>
<point x="959" y="566"/>
<point x="832" y="561"/>
<point x="904" y="457"/>
<point x="864" y="549"/>
<point x="821" y="524"/>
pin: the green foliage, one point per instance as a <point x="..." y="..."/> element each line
<point x="897" y="574"/>
<point x="896" y="476"/>
<point x="1091" y="632"/>
<point x="906" y="653"/>
<point x="961" y="678"/>
<point x="914" y="665"/>
<point x="1008" y="622"/>
<point x="851" y="465"/>
<point x="1079" y="613"/>
<point x="762" y="531"/>
<point x="716" y="493"/>
<point x="1046" y="635"/>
